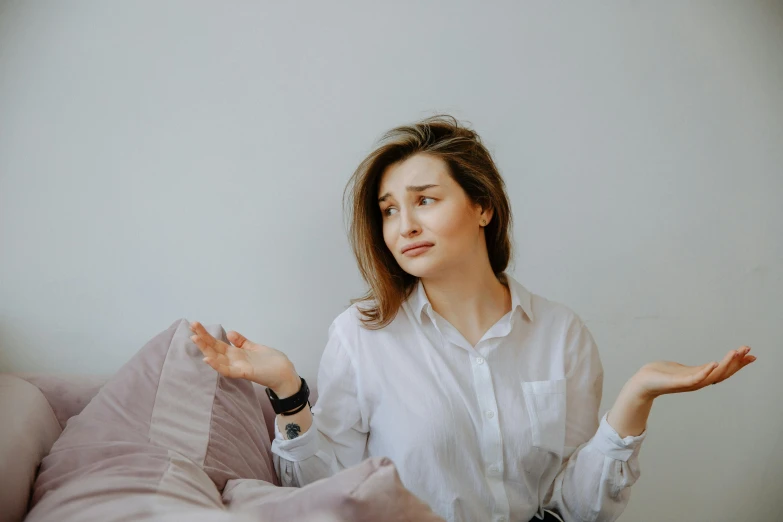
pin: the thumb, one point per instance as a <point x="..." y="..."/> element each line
<point x="701" y="373"/>
<point x="238" y="340"/>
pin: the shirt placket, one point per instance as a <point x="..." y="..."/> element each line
<point x="491" y="439"/>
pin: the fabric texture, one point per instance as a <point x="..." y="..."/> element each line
<point x="67" y="394"/>
<point x="163" y="436"/>
<point x="168" y="439"/>
<point x="371" y="490"/>
<point x="497" y="431"/>
<point x="27" y="432"/>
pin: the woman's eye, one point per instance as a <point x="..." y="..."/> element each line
<point x="391" y="210"/>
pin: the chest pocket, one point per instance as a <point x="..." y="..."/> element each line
<point x="546" y="405"/>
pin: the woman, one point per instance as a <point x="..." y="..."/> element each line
<point x="484" y="395"/>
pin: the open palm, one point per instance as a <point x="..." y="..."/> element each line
<point x="242" y="359"/>
<point x="664" y="377"/>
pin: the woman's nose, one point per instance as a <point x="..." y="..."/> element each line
<point x="408" y="225"/>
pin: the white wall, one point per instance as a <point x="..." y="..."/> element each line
<point x="161" y="160"/>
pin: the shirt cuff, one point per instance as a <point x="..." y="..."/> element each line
<point x="609" y="442"/>
<point x="298" y="449"/>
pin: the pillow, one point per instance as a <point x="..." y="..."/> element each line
<point x="28" y="430"/>
<point x="162" y="437"/>
<point x="67" y="394"/>
<point x="370" y="491"/>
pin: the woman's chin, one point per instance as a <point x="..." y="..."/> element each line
<point x="420" y="268"/>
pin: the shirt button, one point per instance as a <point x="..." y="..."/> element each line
<point x="493" y="469"/>
<point x="479" y="360"/>
<point x="501" y="519"/>
<point x="490" y="414"/>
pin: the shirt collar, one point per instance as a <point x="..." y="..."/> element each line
<point x="520" y="297"/>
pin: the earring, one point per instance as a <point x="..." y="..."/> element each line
<point x="483" y="222"/>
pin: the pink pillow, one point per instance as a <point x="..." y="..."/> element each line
<point x="67" y="394"/>
<point x="27" y="432"/>
<point x="163" y="435"/>
<point x="167" y="438"/>
<point x="370" y="491"/>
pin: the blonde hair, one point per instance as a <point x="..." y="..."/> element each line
<point x="470" y="165"/>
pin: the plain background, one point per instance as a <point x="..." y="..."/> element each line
<point x="167" y="159"/>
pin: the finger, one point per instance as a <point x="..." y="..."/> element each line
<point x="741" y="354"/>
<point x="215" y="366"/>
<point x="742" y="351"/>
<point x="210" y="361"/>
<point x="729" y="365"/>
<point x="737" y="361"/>
<point x="199" y="330"/>
<point x="222" y="369"/>
<point x="720" y="370"/>
<point x="704" y="372"/>
<point x="739" y="364"/>
<point x="237" y="339"/>
<point x="696" y="379"/>
<point x="202" y="345"/>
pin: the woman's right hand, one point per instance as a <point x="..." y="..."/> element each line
<point x="247" y="360"/>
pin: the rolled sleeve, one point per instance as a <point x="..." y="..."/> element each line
<point x="298" y="449"/>
<point x="594" y="483"/>
<point x="338" y="436"/>
<point x="609" y="442"/>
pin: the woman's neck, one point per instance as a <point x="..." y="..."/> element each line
<point x="472" y="303"/>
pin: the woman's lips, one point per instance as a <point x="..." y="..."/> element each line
<point x="413" y="252"/>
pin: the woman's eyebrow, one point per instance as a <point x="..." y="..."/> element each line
<point x="409" y="188"/>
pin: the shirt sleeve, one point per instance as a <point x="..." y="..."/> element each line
<point x="337" y="438"/>
<point x="594" y="481"/>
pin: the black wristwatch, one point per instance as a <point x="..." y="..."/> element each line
<point x="290" y="405"/>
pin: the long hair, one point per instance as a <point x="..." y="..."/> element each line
<point x="470" y="165"/>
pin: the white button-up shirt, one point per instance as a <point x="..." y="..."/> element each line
<point x="499" y="431"/>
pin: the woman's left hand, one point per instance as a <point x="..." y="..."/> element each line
<point x="662" y="377"/>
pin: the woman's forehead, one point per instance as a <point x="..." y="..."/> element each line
<point x="418" y="170"/>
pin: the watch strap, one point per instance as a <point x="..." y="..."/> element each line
<point x="296" y="401"/>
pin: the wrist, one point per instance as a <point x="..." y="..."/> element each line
<point x="630" y="411"/>
<point x="292" y="404"/>
<point x="634" y="393"/>
<point x="289" y="386"/>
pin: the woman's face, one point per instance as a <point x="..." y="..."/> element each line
<point x="420" y="203"/>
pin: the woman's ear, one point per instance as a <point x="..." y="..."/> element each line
<point x="485" y="217"/>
